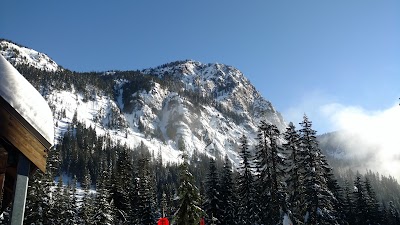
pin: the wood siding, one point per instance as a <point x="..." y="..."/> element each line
<point x="23" y="136"/>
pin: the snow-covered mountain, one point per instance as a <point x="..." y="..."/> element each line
<point x="202" y="107"/>
<point x="17" y="54"/>
<point x="226" y="84"/>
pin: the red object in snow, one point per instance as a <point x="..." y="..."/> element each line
<point x="163" y="221"/>
<point x="202" y="222"/>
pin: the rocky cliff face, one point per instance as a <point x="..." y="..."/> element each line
<point x="201" y="107"/>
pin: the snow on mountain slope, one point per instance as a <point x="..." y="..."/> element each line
<point x="16" y="54"/>
<point x="96" y="114"/>
<point x="224" y="83"/>
<point x="204" y="108"/>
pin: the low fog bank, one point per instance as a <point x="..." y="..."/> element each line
<point x="370" y="138"/>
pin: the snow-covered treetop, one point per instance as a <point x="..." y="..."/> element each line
<point x="26" y="100"/>
<point x="21" y="55"/>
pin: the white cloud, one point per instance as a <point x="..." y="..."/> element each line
<point x="310" y="104"/>
<point x="371" y="136"/>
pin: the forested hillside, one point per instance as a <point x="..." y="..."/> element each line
<point x="284" y="176"/>
<point x="187" y="141"/>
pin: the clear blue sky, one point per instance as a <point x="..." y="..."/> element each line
<point x="299" y="54"/>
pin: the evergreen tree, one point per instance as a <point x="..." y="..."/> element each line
<point x="348" y="206"/>
<point x="104" y="213"/>
<point x="146" y="208"/>
<point x="393" y="215"/>
<point x="188" y="211"/>
<point x="384" y="214"/>
<point x="71" y="211"/>
<point x="295" y="171"/>
<point x="374" y="214"/>
<point x="263" y="180"/>
<point x="360" y="202"/>
<point x="317" y="200"/>
<point x="122" y="181"/>
<point x="227" y="195"/>
<point x="87" y="207"/>
<point x="134" y="194"/>
<point x="39" y="200"/>
<point x="36" y="201"/>
<point x="59" y="211"/>
<point x="245" y="191"/>
<point x="270" y="183"/>
<point x="75" y="119"/>
<point x="336" y="192"/>
<point x="212" y="204"/>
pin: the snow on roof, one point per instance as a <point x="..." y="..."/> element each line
<point x="26" y="100"/>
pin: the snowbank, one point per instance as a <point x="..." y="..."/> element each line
<point x="26" y="100"/>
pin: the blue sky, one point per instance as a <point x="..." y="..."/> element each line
<point x="313" y="57"/>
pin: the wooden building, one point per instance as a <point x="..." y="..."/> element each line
<point x="26" y="130"/>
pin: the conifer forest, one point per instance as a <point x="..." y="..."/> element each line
<point x="287" y="176"/>
<point x="282" y="179"/>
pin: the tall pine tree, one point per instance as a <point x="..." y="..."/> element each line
<point x="317" y="200"/>
<point x="247" y="211"/>
<point x="227" y="194"/>
<point x="212" y="204"/>
<point x="189" y="211"/>
<point x="373" y="207"/>
<point x="294" y="171"/>
<point x="348" y="205"/>
<point x="272" y="198"/>
<point x="360" y="202"/>
<point x="146" y="207"/>
<point x="122" y="179"/>
<point x="104" y="212"/>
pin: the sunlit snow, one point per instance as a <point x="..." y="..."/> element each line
<point x="26" y="100"/>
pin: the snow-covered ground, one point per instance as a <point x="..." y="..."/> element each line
<point x="286" y="220"/>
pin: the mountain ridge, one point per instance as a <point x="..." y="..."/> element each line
<point x="205" y="106"/>
<point x="17" y="54"/>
